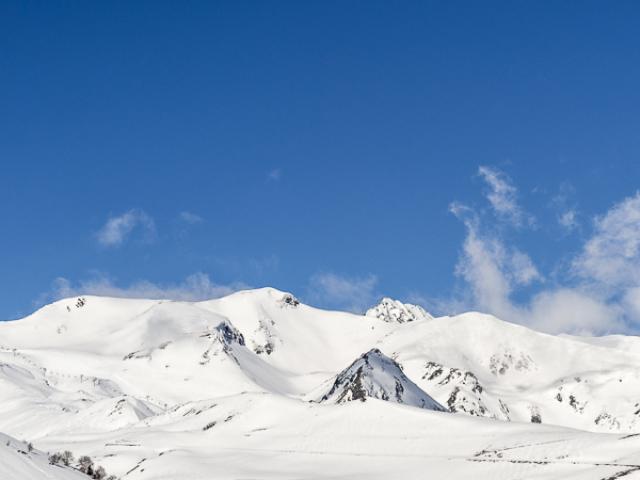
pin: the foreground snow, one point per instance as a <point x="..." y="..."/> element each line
<point x="229" y="388"/>
<point x="19" y="462"/>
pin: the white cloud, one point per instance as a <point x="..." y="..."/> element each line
<point x="490" y="268"/>
<point x="190" y="218"/>
<point x="480" y="269"/>
<point x="522" y="268"/>
<point x="502" y="196"/>
<point x="195" y="287"/>
<point x="336" y="291"/>
<point x="116" y="230"/>
<point x="493" y="272"/>
<point x="631" y="302"/>
<point x="611" y="256"/>
<point x="572" y="310"/>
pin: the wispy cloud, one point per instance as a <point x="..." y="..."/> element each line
<point x="503" y="196"/>
<point x="489" y="267"/>
<point x="600" y="294"/>
<point x="493" y="272"/>
<point x="117" y="229"/>
<point x="611" y="256"/>
<point x="190" y="217"/>
<point x="568" y="220"/>
<point x="274" y="175"/>
<point x="331" y="290"/>
<point x="567" y="212"/>
<point x="195" y="287"/>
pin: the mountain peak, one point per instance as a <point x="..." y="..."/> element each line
<point x="394" y="311"/>
<point x="374" y="375"/>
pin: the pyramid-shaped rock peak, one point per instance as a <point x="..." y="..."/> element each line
<point x="374" y="375"/>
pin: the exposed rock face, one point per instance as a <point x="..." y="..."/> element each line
<point x="390" y="310"/>
<point x="229" y="334"/>
<point x="466" y="395"/>
<point x="501" y="363"/>
<point x="288" y="300"/>
<point x="374" y="375"/>
<point x="224" y="338"/>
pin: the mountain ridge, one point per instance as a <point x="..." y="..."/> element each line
<point x="91" y="371"/>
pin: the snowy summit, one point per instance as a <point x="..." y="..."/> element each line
<point x="395" y="311"/>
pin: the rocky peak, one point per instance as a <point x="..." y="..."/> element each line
<point x="288" y="300"/>
<point x="390" y="310"/>
<point x="374" y="375"/>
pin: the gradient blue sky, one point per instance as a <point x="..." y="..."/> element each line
<point x="317" y="147"/>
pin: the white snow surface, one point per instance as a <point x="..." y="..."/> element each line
<point x="230" y="389"/>
<point x="18" y="462"/>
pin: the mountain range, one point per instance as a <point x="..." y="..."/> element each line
<point x="259" y="385"/>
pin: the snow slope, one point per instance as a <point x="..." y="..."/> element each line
<point x="18" y="463"/>
<point x="228" y="388"/>
<point x="478" y="364"/>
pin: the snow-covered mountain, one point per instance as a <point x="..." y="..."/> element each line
<point x="253" y="385"/>
<point x="374" y="375"/>
<point x="391" y="310"/>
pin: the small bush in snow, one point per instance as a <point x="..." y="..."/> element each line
<point x="86" y="465"/>
<point x="208" y="426"/>
<point x="55" y="458"/>
<point x="99" y="473"/>
<point x="67" y="458"/>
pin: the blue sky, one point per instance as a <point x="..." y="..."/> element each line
<point x="341" y="150"/>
